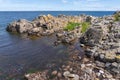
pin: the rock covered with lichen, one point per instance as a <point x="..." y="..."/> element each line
<point x="103" y="39"/>
<point x="42" y="25"/>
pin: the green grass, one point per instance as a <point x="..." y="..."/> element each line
<point x="71" y="26"/>
<point x="85" y="26"/>
<point x="117" y="17"/>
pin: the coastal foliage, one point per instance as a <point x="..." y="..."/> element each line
<point x="71" y="26"/>
<point x="117" y="17"/>
<point x="85" y="26"/>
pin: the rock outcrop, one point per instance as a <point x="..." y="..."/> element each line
<point x="92" y="36"/>
<point x="68" y="36"/>
<point x="20" y="26"/>
<point x="101" y="43"/>
<point x="103" y="39"/>
<point x="42" y="25"/>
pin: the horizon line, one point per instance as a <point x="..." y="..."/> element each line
<point x="56" y="10"/>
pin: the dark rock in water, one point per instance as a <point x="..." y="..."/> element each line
<point x="21" y="26"/>
<point x="11" y="27"/>
<point x="91" y="37"/>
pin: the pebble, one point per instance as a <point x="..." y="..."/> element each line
<point x="54" y="72"/>
<point x="67" y="67"/>
<point x="98" y="74"/>
<point x="86" y="60"/>
<point x="88" y="70"/>
<point x="82" y="66"/>
<point x="66" y="73"/>
<point x="70" y="76"/>
<point x="114" y="64"/>
<point x="100" y="64"/>
<point x="73" y="77"/>
<point x="88" y="65"/>
<point x="71" y="69"/>
<point x="59" y="75"/>
<point x="102" y="56"/>
<point x="101" y="71"/>
<point x="107" y="64"/>
<point x="109" y="76"/>
<point x="82" y="45"/>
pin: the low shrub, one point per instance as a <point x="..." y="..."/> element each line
<point x="85" y="26"/>
<point x="71" y="26"/>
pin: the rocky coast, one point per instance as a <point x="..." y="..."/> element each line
<point x="99" y="38"/>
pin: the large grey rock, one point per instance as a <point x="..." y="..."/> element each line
<point x="92" y="37"/>
<point x="36" y="31"/>
<point x="20" y="26"/>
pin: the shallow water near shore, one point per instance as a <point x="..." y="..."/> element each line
<point x="24" y="56"/>
<point x="20" y="55"/>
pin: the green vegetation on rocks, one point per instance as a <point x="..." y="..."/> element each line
<point x="85" y="26"/>
<point x="71" y="26"/>
<point x="117" y="17"/>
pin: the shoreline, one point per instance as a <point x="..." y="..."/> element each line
<point x="101" y="42"/>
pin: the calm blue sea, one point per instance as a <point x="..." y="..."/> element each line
<point x="19" y="55"/>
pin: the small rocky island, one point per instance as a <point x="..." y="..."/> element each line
<point x="99" y="37"/>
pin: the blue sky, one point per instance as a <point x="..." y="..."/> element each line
<point x="53" y="5"/>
